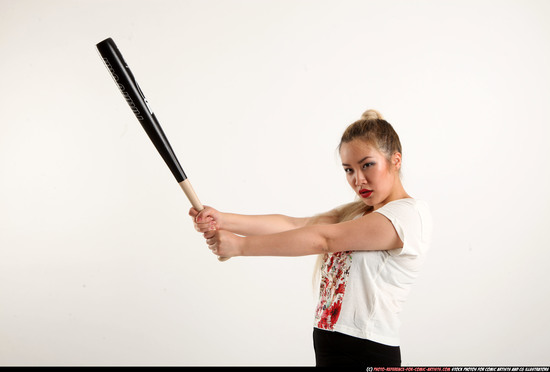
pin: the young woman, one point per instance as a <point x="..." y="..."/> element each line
<point x="370" y="250"/>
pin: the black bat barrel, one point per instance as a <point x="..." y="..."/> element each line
<point x="138" y="103"/>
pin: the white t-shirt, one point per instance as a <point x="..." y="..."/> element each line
<point x="362" y="292"/>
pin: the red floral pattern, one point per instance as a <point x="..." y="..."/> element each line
<point x="334" y="277"/>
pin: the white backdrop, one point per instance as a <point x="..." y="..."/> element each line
<point x="99" y="262"/>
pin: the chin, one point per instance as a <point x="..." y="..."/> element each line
<point x="368" y="202"/>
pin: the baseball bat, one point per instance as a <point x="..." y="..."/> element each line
<point x="135" y="98"/>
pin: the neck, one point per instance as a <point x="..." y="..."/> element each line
<point x="398" y="192"/>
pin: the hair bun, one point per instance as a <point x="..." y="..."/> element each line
<point x="371" y="115"/>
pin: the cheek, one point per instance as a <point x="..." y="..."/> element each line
<point x="378" y="178"/>
<point x="386" y="180"/>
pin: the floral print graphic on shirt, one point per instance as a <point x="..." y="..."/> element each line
<point x="334" y="277"/>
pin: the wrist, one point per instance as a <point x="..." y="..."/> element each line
<point x="243" y="245"/>
<point x="229" y="222"/>
<point x="222" y="221"/>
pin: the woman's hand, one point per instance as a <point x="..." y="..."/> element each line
<point x="223" y="243"/>
<point x="209" y="219"/>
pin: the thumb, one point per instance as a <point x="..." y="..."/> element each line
<point x="193" y="212"/>
<point x="205" y="214"/>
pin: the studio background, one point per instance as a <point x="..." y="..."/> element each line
<point x="99" y="261"/>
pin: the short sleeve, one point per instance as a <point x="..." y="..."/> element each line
<point x="412" y="221"/>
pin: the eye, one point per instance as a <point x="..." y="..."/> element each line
<point x="348" y="170"/>
<point x="367" y="165"/>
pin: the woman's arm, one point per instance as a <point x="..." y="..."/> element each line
<point x="211" y="219"/>
<point x="371" y="232"/>
<point x="260" y="224"/>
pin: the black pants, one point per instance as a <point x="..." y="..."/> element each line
<point x="333" y="349"/>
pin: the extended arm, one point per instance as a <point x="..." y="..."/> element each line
<point x="248" y="225"/>
<point x="371" y="232"/>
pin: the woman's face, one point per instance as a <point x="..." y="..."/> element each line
<point x="369" y="173"/>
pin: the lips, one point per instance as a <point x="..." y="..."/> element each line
<point x="365" y="193"/>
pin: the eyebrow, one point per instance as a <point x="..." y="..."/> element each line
<point x="359" y="162"/>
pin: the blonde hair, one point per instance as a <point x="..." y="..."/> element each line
<point x="376" y="131"/>
<point x="372" y="128"/>
<point x="371" y="114"/>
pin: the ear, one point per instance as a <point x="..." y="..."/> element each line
<point x="396" y="160"/>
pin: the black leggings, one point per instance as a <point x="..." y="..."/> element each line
<point x="334" y="349"/>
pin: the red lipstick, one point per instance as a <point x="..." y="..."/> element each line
<point x="365" y="193"/>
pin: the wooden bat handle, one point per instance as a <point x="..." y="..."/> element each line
<point x="190" y="193"/>
<point x="195" y="202"/>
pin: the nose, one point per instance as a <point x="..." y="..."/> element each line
<point x="360" y="179"/>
